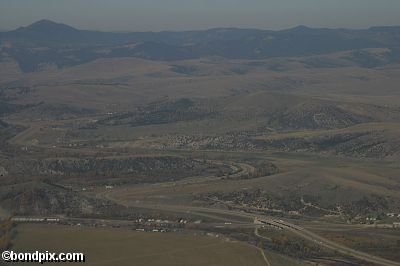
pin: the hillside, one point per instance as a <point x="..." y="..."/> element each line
<point x="47" y="42"/>
<point x="247" y="136"/>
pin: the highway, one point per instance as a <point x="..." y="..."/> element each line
<point x="258" y="220"/>
<point x="297" y="230"/>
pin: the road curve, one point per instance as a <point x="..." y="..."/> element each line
<point x="299" y="231"/>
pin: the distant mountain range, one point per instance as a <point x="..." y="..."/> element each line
<point x="47" y="42"/>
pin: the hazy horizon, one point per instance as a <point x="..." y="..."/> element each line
<point x="177" y="15"/>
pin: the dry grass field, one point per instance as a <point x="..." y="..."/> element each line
<point x="132" y="82"/>
<point x="124" y="130"/>
<point x="377" y="241"/>
<point x="111" y="247"/>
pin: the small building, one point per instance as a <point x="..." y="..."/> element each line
<point x="52" y="220"/>
<point x="182" y="221"/>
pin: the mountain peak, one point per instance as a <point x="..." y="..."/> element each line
<point x="301" y="28"/>
<point x="47" y="26"/>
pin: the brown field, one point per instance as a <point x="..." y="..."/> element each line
<point x="380" y="242"/>
<point x="122" y="247"/>
<point x="313" y="140"/>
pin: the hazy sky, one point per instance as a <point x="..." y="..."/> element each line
<point x="143" y="15"/>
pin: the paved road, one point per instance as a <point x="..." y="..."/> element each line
<point x="299" y="231"/>
<point x="257" y="234"/>
<point x="333" y="245"/>
<point x="230" y="214"/>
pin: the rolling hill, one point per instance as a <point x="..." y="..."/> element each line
<point x="49" y="42"/>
